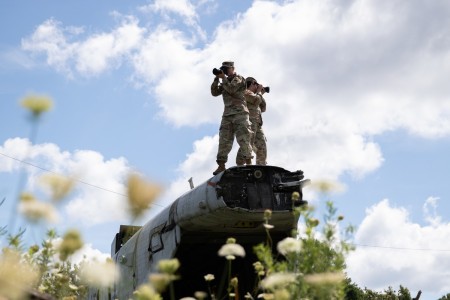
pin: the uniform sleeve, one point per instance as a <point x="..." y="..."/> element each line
<point x="262" y="105"/>
<point x="235" y="85"/>
<point x="252" y="98"/>
<point x="216" y="89"/>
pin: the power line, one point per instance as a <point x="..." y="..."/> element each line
<point x="400" y="248"/>
<point x="76" y="179"/>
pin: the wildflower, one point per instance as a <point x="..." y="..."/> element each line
<point x="230" y="251"/>
<point x="37" y="104"/>
<point x="71" y="242"/>
<point x="231" y="240"/>
<point x="268" y="226"/>
<point x="33" y="250"/>
<point x="60" y="186"/>
<point x="289" y="245"/>
<point x="282" y="294"/>
<point x="313" y="222"/>
<point x="187" y="298"/>
<point x="295" y="196"/>
<point x="168" y="266"/>
<point x="267" y="214"/>
<point x="146" y="292"/>
<point x="326" y="186"/>
<point x="16" y="276"/>
<point x="209" y="277"/>
<point x="266" y="296"/>
<point x="160" y="281"/>
<point x="325" y="278"/>
<point x="234" y="282"/>
<point x="141" y="194"/>
<point x="248" y="296"/>
<point x="259" y="268"/>
<point x="100" y="274"/>
<point x="200" y="295"/>
<point x="35" y="210"/>
<point x="340" y="217"/>
<point x="278" y="280"/>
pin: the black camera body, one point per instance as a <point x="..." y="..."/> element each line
<point x="267" y="89"/>
<point x="217" y="71"/>
<point x="222" y="69"/>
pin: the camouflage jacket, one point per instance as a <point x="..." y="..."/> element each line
<point x="256" y="104"/>
<point x="232" y="90"/>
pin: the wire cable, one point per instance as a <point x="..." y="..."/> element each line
<point x="400" y="248"/>
<point x="74" y="178"/>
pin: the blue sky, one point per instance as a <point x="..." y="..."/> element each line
<point x="359" y="96"/>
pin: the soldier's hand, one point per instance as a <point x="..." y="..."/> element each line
<point x="221" y="75"/>
<point x="260" y="88"/>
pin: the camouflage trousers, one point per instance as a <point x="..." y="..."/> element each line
<point x="259" y="146"/>
<point x="235" y="125"/>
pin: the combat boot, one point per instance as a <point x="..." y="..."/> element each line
<point x="248" y="161"/>
<point x="240" y="162"/>
<point x="220" y="168"/>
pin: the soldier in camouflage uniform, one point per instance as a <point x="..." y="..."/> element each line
<point x="256" y="105"/>
<point x="235" y="118"/>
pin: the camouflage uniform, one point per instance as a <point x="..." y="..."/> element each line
<point x="256" y="105"/>
<point x="235" y="118"/>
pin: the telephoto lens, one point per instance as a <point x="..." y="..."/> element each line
<point x="267" y="89"/>
<point x="217" y="71"/>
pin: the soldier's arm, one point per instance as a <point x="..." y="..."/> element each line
<point x="236" y="84"/>
<point x="262" y="105"/>
<point x="252" y="98"/>
<point x="216" y="89"/>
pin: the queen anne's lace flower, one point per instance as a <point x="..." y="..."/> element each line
<point x="289" y="245"/>
<point x="100" y="274"/>
<point x="278" y="280"/>
<point x="230" y="251"/>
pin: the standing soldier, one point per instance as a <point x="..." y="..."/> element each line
<point x="235" y="118"/>
<point x="256" y="105"/>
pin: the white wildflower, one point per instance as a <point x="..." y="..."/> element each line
<point x="100" y="274"/>
<point x="35" y="210"/>
<point x="278" y="280"/>
<point x="16" y="276"/>
<point x="231" y="250"/>
<point x="268" y="226"/>
<point x="209" y="277"/>
<point x="289" y="245"/>
<point x="325" y="278"/>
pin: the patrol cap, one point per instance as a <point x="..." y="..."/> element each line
<point x="250" y="79"/>
<point x="228" y="64"/>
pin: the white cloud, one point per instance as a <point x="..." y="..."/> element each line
<point x="401" y="252"/>
<point x="99" y="195"/>
<point x="98" y="52"/>
<point x="94" y="55"/>
<point x="183" y="8"/>
<point x="50" y="39"/>
<point x="87" y="253"/>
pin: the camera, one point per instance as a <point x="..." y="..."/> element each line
<point x="222" y="69"/>
<point x="267" y="89"/>
<point x="217" y="71"/>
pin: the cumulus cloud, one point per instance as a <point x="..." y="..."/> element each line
<point x="88" y="253"/>
<point x="99" y="195"/>
<point x="396" y="251"/>
<point x="92" y="56"/>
